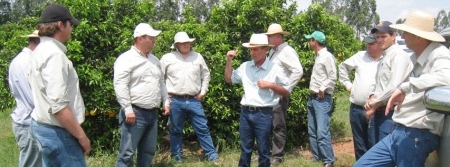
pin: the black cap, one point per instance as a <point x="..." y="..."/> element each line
<point x="57" y="12"/>
<point x="370" y="39"/>
<point x="383" y="27"/>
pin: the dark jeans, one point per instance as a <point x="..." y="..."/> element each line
<point x="361" y="130"/>
<point x="383" y="124"/>
<point x="279" y="128"/>
<point x="256" y="124"/>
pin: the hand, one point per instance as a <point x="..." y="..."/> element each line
<point x="368" y="102"/>
<point x="199" y="97"/>
<point x="397" y="97"/>
<point x="264" y="84"/>
<point x="349" y="89"/>
<point x="369" y="113"/>
<point x="130" y="118"/>
<point x="231" y="54"/>
<point x="321" y="94"/>
<point x="166" y="110"/>
<point x="85" y="144"/>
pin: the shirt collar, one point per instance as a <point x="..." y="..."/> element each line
<point x="280" y="47"/>
<point x="139" y="52"/>
<point x="61" y="46"/>
<point x="321" y="51"/>
<point x="392" y="48"/>
<point x="264" y="66"/>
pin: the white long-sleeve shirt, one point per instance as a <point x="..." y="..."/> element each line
<point x="287" y="58"/>
<point x="324" y="73"/>
<point x="138" y="80"/>
<point x="365" y="72"/>
<point x="20" y="88"/>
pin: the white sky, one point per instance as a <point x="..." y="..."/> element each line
<point x="392" y="10"/>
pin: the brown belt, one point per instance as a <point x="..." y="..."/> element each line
<point x="182" y="96"/>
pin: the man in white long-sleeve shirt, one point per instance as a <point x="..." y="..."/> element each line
<point x="20" y="88"/>
<point x="417" y="130"/>
<point x="140" y="89"/>
<point x="287" y="58"/>
<point x="365" y="64"/>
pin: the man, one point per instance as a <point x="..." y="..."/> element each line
<point x="394" y="68"/>
<point x="18" y="83"/>
<point x="284" y="56"/>
<point x="264" y="82"/>
<point x="321" y="87"/>
<point x="187" y="78"/>
<point x="365" y="64"/>
<point x="417" y="129"/>
<point x="140" y="89"/>
<point x="59" y="107"/>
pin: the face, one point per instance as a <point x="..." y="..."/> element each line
<point x="312" y="42"/>
<point x="409" y="39"/>
<point x="148" y="42"/>
<point x="66" y="30"/>
<point x="385" y="40"/>
<point x="373" y="48"/>
<point x="258" y="53"/>
<point x="184" y="48"/>
<point x="273" y="39"/>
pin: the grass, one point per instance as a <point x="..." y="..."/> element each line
<point x="339" y="126"/>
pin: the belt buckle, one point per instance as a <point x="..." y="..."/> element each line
<point x="186" y="96"/>
<point x="252" y="108"/>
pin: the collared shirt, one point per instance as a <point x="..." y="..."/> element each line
<point x="20" y="88"/>
<point x="54" y="83"/>
<point x="188" y="76"/>
<point x="393" y="70"/>
<point x="365" y="71"/>
<point x="248" y="74"/>
<point x="430" y="70"/>
<point x="138" y="80"/>
<point x="324" y="73"/>
<point x="286" y="57"/>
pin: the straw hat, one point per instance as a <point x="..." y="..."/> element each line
<point x="420" y="24"/>
<point x="276" y="29"/>
<point x="181" y="37"/>
<point x="35" y="34"/>
<point x="257" y="40"/>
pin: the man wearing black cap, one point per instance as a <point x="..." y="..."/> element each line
<point x="365" y="64"/>
<point x="59" y="107"/>
<point x="394" y="68"/>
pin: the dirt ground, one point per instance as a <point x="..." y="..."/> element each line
<point x="341" y="147"/>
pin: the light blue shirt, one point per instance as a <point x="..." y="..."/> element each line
<point x="20" y="89"/>
<point x="248" y="74"/>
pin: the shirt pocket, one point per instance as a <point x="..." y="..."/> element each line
<point x="385" y="74"/>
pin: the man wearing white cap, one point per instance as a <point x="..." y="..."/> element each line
<point x="365" y="65"/>
<point x="264" y="83"/>
<point x="140" y="89"/>
<point x="187" y="80"/>
<point x="58" y="105"/>
<point x="287" y="58"/>
<point x="20" y="88"/>
<point x="320" y="102"/>
<point x="417" y="131"/>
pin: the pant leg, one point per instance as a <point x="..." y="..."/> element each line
<point x="279" y="132"/>
<point x="379" y="155"/>
<point x="29" y="154"/>
<point x="146" y="148"/>
<point x="322" y="109"/>
<point x="385" y="124"/>
<point x="359" y="126"/>
<point x="262" y="121"/>
<point x="312" y="129"/>
<point x="199" y="122"/>
<point x="247" y="138"/>
<point x="177" y="117"/>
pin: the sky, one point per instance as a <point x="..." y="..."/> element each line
<point x="392" y="10"/>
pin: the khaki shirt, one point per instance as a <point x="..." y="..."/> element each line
<point x="430" y="70"/>
<point x="324" y="73"/>
<point x="54" y="83"/>
<point x="286" y="57"/>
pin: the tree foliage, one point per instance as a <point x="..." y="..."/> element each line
<point x="442" y="21"/>
<point x="106" y="31"/>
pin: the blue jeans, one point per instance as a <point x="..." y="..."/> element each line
<point x="29" y="154"/>
<point x="361" y="130"/>
<point x="404" y="147"/>
<point x="180" y="108"/>
<point x="255" y="124"/>
<point x="57" y="146"/>
<point x="141" y="135"/>
<point x="319" y="113"/>
<point x="383" y="124"/>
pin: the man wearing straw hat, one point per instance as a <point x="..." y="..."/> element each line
<point x="285" y="56"/>
<point x="140" y="90"/>
<point x="264" y="83"/>
<point x="417" y="130"/>
<point x="18" y="83"/>
<point x="187" y="80"/>
<point x="320" y="102"/>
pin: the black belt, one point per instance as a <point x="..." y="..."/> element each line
<point x="252" y="108"/>
<point x="182" y="96"/>
<point x="143" y="109"/>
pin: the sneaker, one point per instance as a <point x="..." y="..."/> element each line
<point x="275" y="162"/>
<point x="328" y="165"/>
